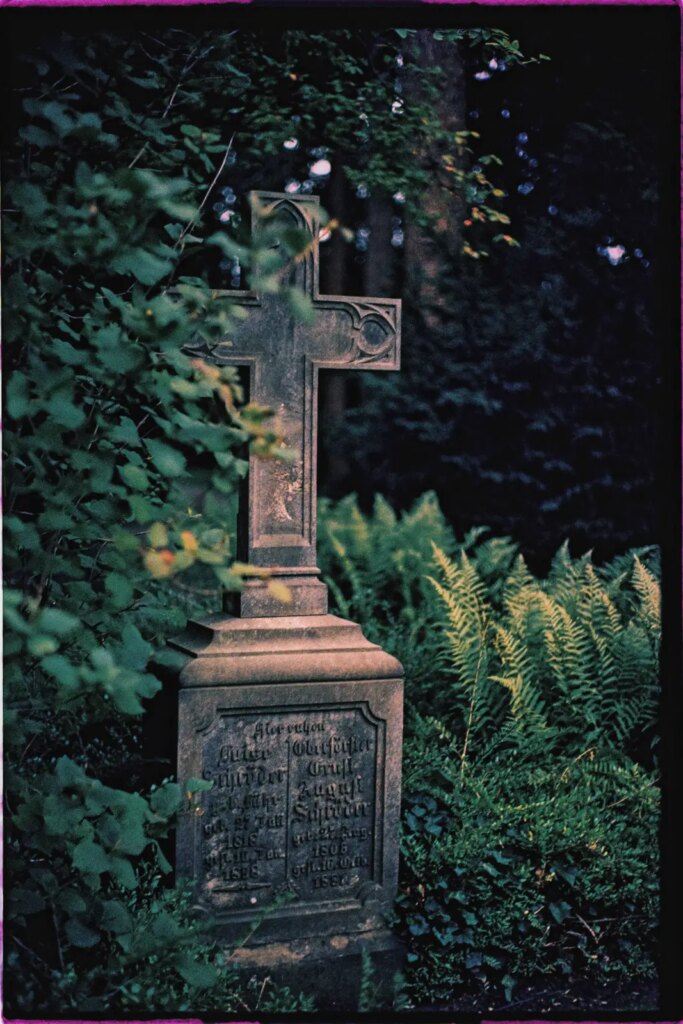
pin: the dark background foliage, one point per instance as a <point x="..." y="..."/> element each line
<point x="533" y="400"/>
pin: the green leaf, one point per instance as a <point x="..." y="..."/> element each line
<point x="135" y="651"/>
<point x="56" y="113"/>
<point x="24" y="901"/>
<point x="158" y="535"/>
<point x="62" y="410"/>
<point x="228" y="246"/>
<point x="71" y="901"/>
<point x="79" y="934"/>
<point x="135" y="477"/>
<point x="120" y="589"/>
<point x="166" y="800"/>
<point x="142" y="509"/>
<point x="122" y="871"/>
<point x="36" y="136"/>
<point x="195" y="973"/>
<point x="168" y="461"/>
<point x="17" y="400"/>
<point x="69" y="773"/>
<point x="91" y="858"/>
<point x="125" y="432"/>
<point x="301" y="306"/>
<point x="40" y="644"/>
<point x="560" y="911"/>
<point x="143" y="265"/>
<point x="115" y="917"/>
<point x="165" y="928"/>
<point x="61" y="669"/>
<point x="53" y="519"/>
<point x="197" y="785"/>
<point x="54" y="620"/>
<point x="295" y="239"/>
<point x="30" y="199"/>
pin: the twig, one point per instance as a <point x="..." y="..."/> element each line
<point x="188" y="65"/>
<point x="138" y="154"/>
<point x="589" y="929"/>
<point x="59" y="944"/>
<point x="31" y="952"/>
<point x="263" y="987"/>
<point x="197" y="215"/>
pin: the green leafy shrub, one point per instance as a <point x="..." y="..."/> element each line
<point x="122" y="454"/>
<point x="530" y="790"/>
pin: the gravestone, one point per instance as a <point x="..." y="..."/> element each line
<point x="289" y="711"/>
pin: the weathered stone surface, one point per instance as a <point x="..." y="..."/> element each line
<point x="229" y="650"/>
<point x="283" y="356"/>
<point x="329" y="968"/>
<point x="298" y="725"/>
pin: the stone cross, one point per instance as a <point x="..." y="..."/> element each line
<point x="292" y="714"/>
<point x="284" y="355"/>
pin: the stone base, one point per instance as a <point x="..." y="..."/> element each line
<point x="308" y="596"/>
<point x="330" y="969"/>
<point x="297" y="724"/>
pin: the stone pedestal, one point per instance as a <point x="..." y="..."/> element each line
<point x="297" y="722"/>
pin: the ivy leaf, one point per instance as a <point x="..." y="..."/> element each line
<point x="560" y="911"/>
<point x="195" y="973"/>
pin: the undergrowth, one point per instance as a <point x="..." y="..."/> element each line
<point x="530" y="770"/>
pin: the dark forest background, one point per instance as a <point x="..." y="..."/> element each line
<point x="534" y="381"/>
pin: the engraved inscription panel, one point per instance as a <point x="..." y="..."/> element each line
<point x="292" y="807"/>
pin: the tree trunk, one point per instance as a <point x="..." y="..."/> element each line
<point x="425" y="250"/>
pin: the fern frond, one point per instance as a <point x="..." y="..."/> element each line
<point x="648" y="590"/>
<point x="518" y="579"/>
<point x="526" y="705"/>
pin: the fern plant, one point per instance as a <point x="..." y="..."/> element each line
<point x="527" y="819"/>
